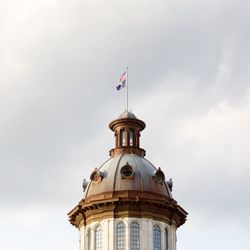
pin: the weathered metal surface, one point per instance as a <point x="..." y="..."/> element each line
<point x="112" y="180"/>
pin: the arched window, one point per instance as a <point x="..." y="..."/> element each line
<point x="98" y="238"/>
<point x="131" y="138"/>
<point x="124" y="135"/>
<point x="134" y="237"/>
<point x="156" y="238"/>
<point x="166" y="238"/>
<point x="121" y="236"/>
<point x="89" y="239"/>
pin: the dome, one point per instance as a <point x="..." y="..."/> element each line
<point x="127" y="175"/>
<point x="127" y="185"/>
<point x="127" y="114"/>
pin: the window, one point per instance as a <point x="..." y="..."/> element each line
<point x="121" y="237"/>
<point x="131" y="138"/>
<point x="124" y="134"/>
<point x="127" y="172"/>
<point x="156" y="238"/>
<point x="166" y="238"/>
<point x="134" y="237"/>
<point x="98" y="238"/>
<point x="89" y="239"/>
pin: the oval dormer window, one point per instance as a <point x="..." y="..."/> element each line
<point x="127" y="172"/>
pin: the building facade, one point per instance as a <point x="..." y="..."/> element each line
<point x="127" y="203"/>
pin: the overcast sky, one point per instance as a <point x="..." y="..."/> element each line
<point x="189" y="80"/>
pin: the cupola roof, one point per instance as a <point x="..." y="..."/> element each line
<point x="127" y="114"/>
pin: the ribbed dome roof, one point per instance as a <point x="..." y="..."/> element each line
<point x="127" y="172"/>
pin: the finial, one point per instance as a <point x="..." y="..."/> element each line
<point x="84" y="185"/>
<point x="170" y="184"/>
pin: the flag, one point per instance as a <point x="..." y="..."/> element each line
<point x="123" y="81"/>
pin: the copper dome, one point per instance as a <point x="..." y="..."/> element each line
<point x="127" y="184"/>
<point x="127" y="173"/>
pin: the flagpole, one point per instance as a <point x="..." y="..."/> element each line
<point x="127" y="86"/>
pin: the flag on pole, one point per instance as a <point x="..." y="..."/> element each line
<point x="123" y="81"/>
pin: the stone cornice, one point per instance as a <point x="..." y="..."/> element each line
<point x="140" y="206"/>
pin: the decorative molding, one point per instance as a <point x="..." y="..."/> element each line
<point x="126" y="204"/>
<point x="127" y="150"/>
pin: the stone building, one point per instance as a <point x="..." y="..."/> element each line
<point x="127" y="203"/>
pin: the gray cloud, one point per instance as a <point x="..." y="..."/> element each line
<point x="189" y="81"/>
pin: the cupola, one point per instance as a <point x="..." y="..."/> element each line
<point x="127" y="130"/>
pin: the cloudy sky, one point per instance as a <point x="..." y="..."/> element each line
<point x="189" y="80"/>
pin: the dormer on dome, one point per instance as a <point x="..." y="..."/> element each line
<point x="127" y="130"/>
